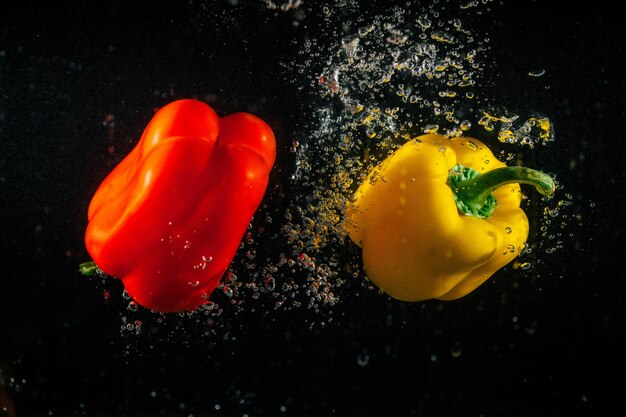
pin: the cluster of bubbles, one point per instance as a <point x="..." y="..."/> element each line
<point x="385" y="80"/>
<point x="284" y="5"/>
<point x="513" y="129"/>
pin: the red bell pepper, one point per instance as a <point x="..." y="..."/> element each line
<point x="169" y="218"/>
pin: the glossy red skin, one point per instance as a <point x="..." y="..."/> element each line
<point x="169" y="218"/>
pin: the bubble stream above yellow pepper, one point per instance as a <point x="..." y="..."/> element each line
<point x="439" y="216"/>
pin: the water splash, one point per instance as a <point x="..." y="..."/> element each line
<point x="375" y="82"/>
<point x="525" y="131"/>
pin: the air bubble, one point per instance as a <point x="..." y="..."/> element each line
<point x="228" y="291"/>
<point x="363" y="360"/>
<point x="431" y="128"/>
<point x="456" y="350"/>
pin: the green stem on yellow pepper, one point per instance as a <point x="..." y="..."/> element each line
<point x="472" y="190"/>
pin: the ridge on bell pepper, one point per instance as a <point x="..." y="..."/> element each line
<point x="169" y="218"/>
<point x="446" y="217"/>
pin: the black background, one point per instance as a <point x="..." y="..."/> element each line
<point x="549" y="346"/>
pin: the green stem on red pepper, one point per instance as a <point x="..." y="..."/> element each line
<point x="473" y="191"/>
<point x="88" y="268"/>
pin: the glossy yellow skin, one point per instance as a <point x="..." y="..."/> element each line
<point x="416" y="245"/>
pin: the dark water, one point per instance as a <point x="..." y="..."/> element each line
<point x="542" y="343"/>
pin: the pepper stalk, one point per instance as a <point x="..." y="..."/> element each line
<point x="88" y="268"/>
<point x="473" y="191"/>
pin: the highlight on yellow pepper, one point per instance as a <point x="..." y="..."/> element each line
<point x="438" y="217"/>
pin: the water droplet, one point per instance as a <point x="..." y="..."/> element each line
<point x="424" y="22"/>
<point x="444" y="37"/>
<point x="456" y="350"/>
<point x="208" y="306"/>
<point x="270" y="283"/>
<point x="537" y="73"/>
<point x="228" y="292"/>
<point x="431" y="128"/>
<point x="363" y="360"/>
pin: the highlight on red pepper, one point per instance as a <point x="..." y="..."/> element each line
<point x="438" y="217"/>
<point x="169" y="218"/>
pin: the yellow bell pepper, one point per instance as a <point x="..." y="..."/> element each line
<point x="438" y="217"/>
